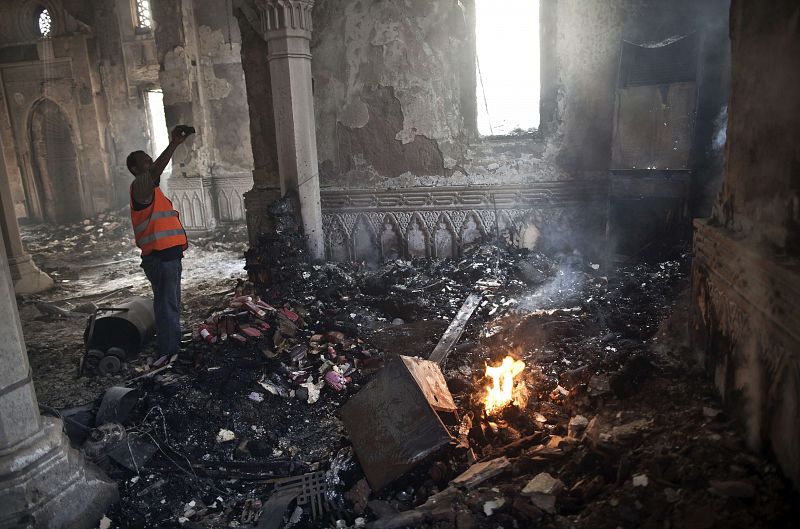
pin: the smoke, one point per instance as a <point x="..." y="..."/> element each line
<point x="666" y="42"/>
<point x="720" y="130"/>
<point x="562" y="291"/>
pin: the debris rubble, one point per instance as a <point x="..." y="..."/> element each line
<point x="304" y="397"/>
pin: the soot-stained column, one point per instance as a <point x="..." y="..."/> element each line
<point x="745" y="282"/>
<point x="43" y="482"/>
<point x="288" y="32"/>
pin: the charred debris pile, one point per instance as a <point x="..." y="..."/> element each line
<point x="304" y="400"/>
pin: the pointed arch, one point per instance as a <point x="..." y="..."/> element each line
<point x="391" y="238"/>
<point x="197" y="208"/>
<point x="365" y="241"/>
<point x="57" y="188"/>
<point x="472" y="230"/>
<point x="506" y="228"/>
<point x="445" y="238"/>
<point x="337" y="242"/>
<point x="224" y="205"/>
<point x="417" y="237"/>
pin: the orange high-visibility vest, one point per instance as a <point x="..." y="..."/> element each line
<point x="158" y="226"/>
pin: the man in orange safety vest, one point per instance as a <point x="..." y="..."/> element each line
<point x="161" y="238"/>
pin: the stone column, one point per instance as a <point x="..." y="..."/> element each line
<point x="27" y="278"/>
<point x="266" y="177"/>
<point x="288" y="31"/>
<point x="43" y="482"/>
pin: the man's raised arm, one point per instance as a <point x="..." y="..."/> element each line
<point x="177" y="136"/>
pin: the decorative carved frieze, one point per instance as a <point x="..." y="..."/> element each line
<point x="190" y="201"/>
<point x="745" y="320"/>
<point x="203" y="205"/>
<point x="229" y="195"/>
<point x="732" y="264"/>
<point x="465" y="197"/>
<point x="374" y="225"/>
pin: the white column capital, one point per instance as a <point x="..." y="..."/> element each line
<point x="291" y="16"/>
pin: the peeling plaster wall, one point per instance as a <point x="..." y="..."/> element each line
<point x="395" y="103"/>
<point x="745" y="280"/>
<point x="220" y="53"/>
<point x="404" y="71"/>
<point x="395" y="100"/>
<point x="387" y="80"/>
<point x="199" y="49"/>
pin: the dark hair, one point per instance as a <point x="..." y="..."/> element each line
<point x="131" y="160"/>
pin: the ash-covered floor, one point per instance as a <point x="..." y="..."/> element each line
<point x="620" y="428"/>
<point x="94" y="263"/>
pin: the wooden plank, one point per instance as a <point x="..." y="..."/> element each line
<point x="456" y="328"/>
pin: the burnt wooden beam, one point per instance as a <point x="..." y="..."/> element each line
<point x="456" y="328"/>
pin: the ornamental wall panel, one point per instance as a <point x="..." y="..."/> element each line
<point x="373" y="225"/>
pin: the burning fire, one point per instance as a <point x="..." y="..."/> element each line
<point x="502" y="392"/>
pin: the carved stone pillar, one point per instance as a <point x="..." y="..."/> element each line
<point x="43" y="482"/>
<point x="287" y="26"/>
<point x="27" y="277"/>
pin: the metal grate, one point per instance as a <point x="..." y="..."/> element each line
<point x="311" y="488"/>
<point x="143" y="14"/>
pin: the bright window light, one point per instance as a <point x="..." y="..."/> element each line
<point x="159" y="135"/>
<point x="45" y="23"/>
<point x="143" y="14"/>
<point x="508" y="66"/>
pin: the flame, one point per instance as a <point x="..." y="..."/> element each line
<point x="501" y="393"/>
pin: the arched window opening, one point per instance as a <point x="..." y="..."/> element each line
<point x="56" y="173"/>
<point x="45" y="22"/>
<point x="144" y="17"/>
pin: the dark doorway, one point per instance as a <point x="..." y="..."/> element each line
<point x="55" y="165"/>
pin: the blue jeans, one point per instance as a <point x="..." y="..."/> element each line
<point x="165" y="278"/>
